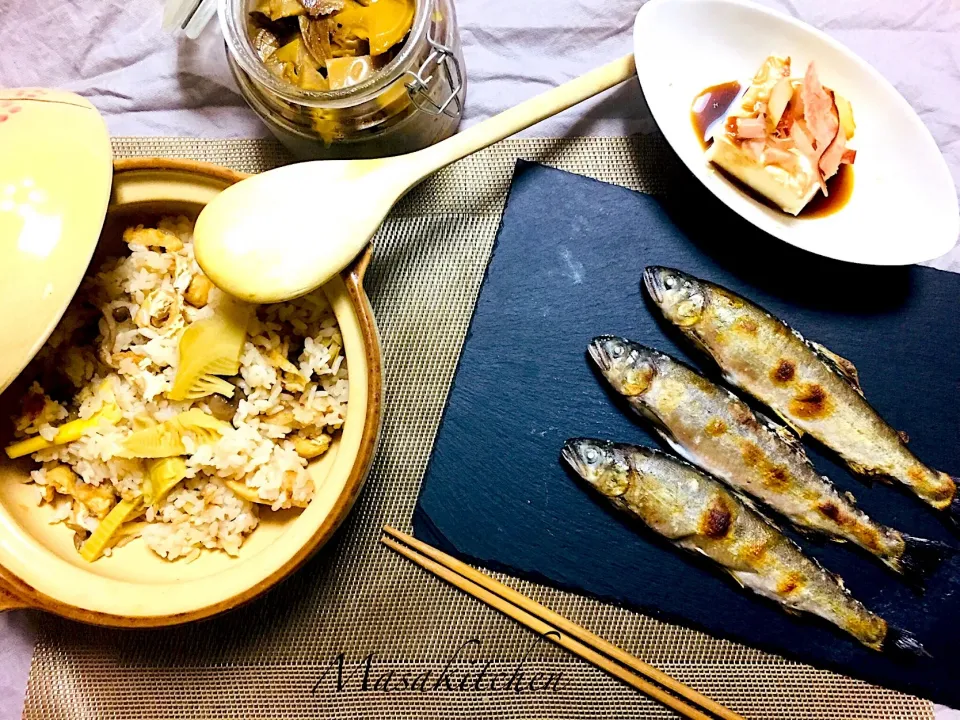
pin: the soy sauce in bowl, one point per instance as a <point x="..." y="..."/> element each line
<point x="711" y="105"/>
<point x="714" y="102"/>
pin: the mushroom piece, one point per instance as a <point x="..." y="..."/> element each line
<point x="119" y="357"/>
<point x="98" y="499"/>
<point x="198" y="291"/>
<point x="152" y="238"/>
<point x="223" y="408"/>
<point x="282" y="417"/>
<point x="276" y="9"/>
<point x="316" y="8"/>
<point x="309" y="448"/>
<point x="316" y="38"/>
<point x="265" y="43"/>
<point x="160" y="310"/>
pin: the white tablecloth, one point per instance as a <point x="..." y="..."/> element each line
<point x="146" y="83"/>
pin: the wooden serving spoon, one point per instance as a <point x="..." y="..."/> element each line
<point x="285" y="232"/>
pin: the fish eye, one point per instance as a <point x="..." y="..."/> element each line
<point x="617" y="350"/>
<point x="669" y="281"/>
<point x="591" y="455"/>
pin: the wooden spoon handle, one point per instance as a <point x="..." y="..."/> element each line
<point x="525" y="114"/>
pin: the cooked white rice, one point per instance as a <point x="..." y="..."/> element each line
<point x="290" y="400"/>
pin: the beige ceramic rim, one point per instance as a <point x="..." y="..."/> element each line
<point x="48" y="576"/>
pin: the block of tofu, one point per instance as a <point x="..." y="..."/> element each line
<point x="790" y="190"/>
<point x="785" y="137"/>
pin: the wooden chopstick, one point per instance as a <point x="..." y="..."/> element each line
<point x="546" y="630"/>
<point x="571" y="637"/>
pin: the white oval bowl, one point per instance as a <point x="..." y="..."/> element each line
<point x="903" y="208"/>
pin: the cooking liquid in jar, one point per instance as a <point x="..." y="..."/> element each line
<point x="714" y="102"/>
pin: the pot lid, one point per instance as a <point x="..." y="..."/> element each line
<point x="54" y="190"/>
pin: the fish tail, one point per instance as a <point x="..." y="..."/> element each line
<point x="901" y="642"/>
<point x="921" y="557"/>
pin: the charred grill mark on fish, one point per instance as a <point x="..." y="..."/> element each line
<point x="717" y="520"/>
<point x="831" y="511"/>
<point x="811" y="402"/>
<point x="713" y="428"/>
<point x="790" y="584"/>
<point x="784" y="371"/>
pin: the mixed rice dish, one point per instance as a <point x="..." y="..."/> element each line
<point x="168" y="411"/>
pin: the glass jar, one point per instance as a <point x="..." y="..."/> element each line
<point x="415" y="100"/>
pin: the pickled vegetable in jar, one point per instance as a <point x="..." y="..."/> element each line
<point x="329" y="44"/>
<point x="348" y="78"/>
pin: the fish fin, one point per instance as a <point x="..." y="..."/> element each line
<point x="866" y="473"/>
<point x="841" y="365"/>
<point x="850" y="496"/>
<point x="736" y="577"/>
<point x="904" y="438"/>
<point x="921" y="557"/>
<point x="785" y="434"/>
<point x="790" y="423"/>
<point x="900" y="642"/>
<point x="785" y="424"/>
<point x="837" y="579"/>
<point x="675" y="446"/>
<point x="651" y="417"/>
<point x="758" y="510"/>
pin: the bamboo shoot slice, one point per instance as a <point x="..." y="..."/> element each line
<point x="66" y="433"/>
<point x="243" y="492"/>
<point x="159" y="441"/>
<point x="383" y="23"/>
<point x="166" y="439"/>
<point x="205" y="428"/>
<point x="123" y="511"/>
<point x="163" y="475"/>
<point x="211" y="347"/>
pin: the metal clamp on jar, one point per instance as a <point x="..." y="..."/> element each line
<point x="399" y="97"/>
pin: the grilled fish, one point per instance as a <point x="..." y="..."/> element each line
<point x="811" y="389"/>
<point x="713" y="428"/>
<point x="696" y="513"/>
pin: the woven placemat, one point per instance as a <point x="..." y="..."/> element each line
<point x="278" y="657"/>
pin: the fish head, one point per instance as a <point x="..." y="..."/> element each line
<point x="601" y="463"/>
<point x="630" y="367"/>
<point x="680" y="297"/>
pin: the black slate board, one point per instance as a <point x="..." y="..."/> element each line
<point x="566" y="267"/>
